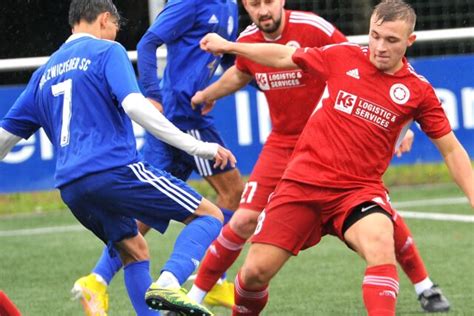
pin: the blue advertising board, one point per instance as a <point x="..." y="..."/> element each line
<point x="244" y="123"/>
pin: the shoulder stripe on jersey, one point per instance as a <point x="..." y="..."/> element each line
<point x="314" y="20"/>
<point x="340" y="44"/>
<point x="166" y="187"/>
<point x="311" y="16"/>
<point x="249" y="30"/>
<point x="203" y="165"/>
<point x="412" y="70"/>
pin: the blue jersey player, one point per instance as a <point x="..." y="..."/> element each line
<point x="84" y="97"/>
<point x="180" y="26"/>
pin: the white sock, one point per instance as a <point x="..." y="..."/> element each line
<point x="197" y="294"/>
<point x="423" y="285"/>
<point x="168" y="280"/>
<point x="99" y="278"/>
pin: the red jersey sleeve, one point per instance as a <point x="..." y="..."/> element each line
<point x="431" y="116"/>
<point x="312" y="60"/>
<point x="337" y="37"/>
<point x="241" y="64"/>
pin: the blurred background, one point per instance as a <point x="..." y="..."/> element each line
<point x="37" y="27"/>
<point x="43" y="246"/>
<point x="34" y="28"/>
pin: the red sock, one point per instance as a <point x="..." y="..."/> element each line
<point x="248" y="302"/>
<point x="407" y="254"/>
<point x="380" y="290"/>
<point x="7" y="308"/>
<point x="221" y="255"/>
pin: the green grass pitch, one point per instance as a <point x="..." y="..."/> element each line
<point x="37" y="270"/>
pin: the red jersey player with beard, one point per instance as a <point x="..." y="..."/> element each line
<point x="291" y="95"/>
<point x="333" y="180"/>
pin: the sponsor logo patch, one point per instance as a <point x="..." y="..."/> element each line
<point x="369" y="111"/>
<point x="399" y="93"/>
<point x="294" y="44"/>
<point x="345" y="102"/>
<point x="230" y="26"/>
<point x="279" y="80"/>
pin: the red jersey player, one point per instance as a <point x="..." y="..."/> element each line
<point x="291" y="95"/>
<point x="333" y="180"/>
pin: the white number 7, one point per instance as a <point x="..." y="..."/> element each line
<point x="249" y="191"/>
<point x="65" y="88"/>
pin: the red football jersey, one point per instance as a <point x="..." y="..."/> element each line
<point x="291" y="94"/>
<point x="350" y="139"/>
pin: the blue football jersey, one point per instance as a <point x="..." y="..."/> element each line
<point x="76" y="97"/>
<point x="181" y="25"/>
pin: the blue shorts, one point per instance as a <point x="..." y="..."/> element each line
<point x="179" y="163"/>
<point x="108" y="202"/>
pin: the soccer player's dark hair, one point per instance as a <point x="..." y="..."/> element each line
<point x="89" y="10"/>
<point x="394" y="10"/>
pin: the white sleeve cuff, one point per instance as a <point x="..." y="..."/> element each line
<point x="7" y="142"/>
<point x="140" y="110"/>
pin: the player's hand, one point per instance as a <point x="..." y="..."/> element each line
<point x="223" y="157"/>
<point x="214" y="43"/>
<point x="406" y="144"/>
<point x="199" y="98"/>
<point x="156" y="104"/>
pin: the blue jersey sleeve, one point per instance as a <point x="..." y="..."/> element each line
<point x="228" y="60"/>
<point x="22" y="119"/>
<point x="177" y="18"/>
<point x="119" y="73"/>
<point x="147" y="66"/>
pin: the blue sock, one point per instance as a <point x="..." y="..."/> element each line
<point x="107" y="266"/>
<point x="227" y="214"/>
<point x="191" y="245"/>
<point x="137" y="280"/>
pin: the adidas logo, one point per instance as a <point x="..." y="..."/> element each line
<point x="354" y="73"/>
<point x="213" y="19"/>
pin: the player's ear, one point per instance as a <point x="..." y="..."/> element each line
<point x="103" y="19"/>
<point x="411" y="39"/>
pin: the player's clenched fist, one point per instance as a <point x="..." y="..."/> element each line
<point x="215" y="44"/>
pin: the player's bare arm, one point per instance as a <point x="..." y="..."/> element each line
<point x="231" y="81"/>
<point x="272" y="55"/>
<point x="458" y="163"/>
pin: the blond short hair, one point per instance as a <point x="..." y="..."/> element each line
<point x="395" y="10"/>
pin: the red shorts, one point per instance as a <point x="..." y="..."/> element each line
<point x="265" y="175"/>
<point x="299" y="214"/>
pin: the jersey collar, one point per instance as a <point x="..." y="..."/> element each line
<point x="79" y="35"/>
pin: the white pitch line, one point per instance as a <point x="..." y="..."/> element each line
<point x="405" y="214"/>
<point x="430" y="202"/>
<point x="41" y="231"/>
<point x="438" y="216"/>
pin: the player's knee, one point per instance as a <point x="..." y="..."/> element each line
<point x="143" y="228"/>
<point x="379" y="248"/>
<point x="244" y="222"/>
<point x="206" y="208"/>
<point x="254" y="275"/>
<point x="133" y="249"/>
